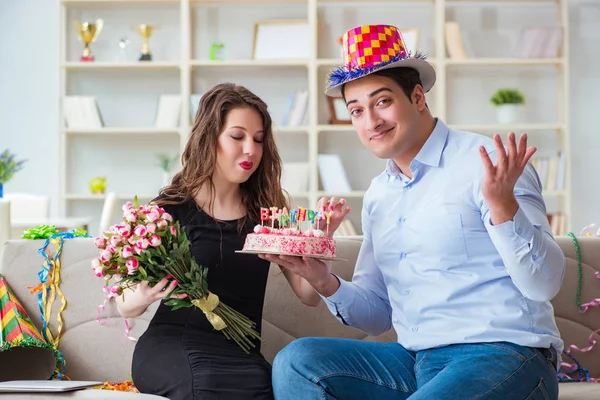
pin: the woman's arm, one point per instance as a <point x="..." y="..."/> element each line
<point x="305" y="292"/>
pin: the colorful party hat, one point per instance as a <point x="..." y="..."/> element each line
<point x="370" y="48"/>
<point x="24" y="354"/>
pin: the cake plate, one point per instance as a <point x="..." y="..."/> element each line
<point x="289" y="254"/>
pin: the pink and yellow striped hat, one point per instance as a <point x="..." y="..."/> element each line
<point x="370" y="48"/>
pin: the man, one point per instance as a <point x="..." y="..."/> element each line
<point x="458" y="256"/>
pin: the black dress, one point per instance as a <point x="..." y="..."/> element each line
<point x="181" y="356"/>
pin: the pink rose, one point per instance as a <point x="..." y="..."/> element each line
<point x="111" y="248"/>
<point x="167" y="217"/>
<point x="132" y="265"/>
<point x="143" y="243"/>
<point x="127" y="206"/>
<point x="173" y="230"/>
<point x="115" y="240"/>
<point x="125" y="230"/>
<point x="132" y="240"/>
<point x="127" y="252"/>
<point x="99" y="272"/>
<point x="95" y="263"/>
<point x="155" y="241"/>
<point x="100" y="242"/>
<point x="152" y="214"/>
<point x="162" y="223"/>
<point x="130" y="215"/>
<point x="105" y="256"/>
<point x="151" y="227"/>
<point x="140" y="230"/>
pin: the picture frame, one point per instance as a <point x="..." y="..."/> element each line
<point x="411" y="39"/>
<point x="281" y="40"/>
<point x="338" y="113"/>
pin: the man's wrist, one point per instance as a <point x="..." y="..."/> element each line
<point x="327" y="286"/>
<point x="503" y="211"/>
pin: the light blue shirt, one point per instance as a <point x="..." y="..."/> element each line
<point x="434" y="267"/>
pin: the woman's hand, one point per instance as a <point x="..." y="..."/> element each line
<point x="338" y="213"/>
<point x="136" y="299"/>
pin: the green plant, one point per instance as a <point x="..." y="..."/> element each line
<point x="507" y="96"/>
<point x="9" y="166"/>
<point x="166" y="162"/>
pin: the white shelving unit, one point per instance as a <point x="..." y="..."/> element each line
<point x="127" y="91"/>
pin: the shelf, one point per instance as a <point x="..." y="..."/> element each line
<point x="244" y="1"/>
<point x="352" y="194"/>
<point x="250" y="63"/>
<point x="118" y="2"/>
<point x="554" y="193"/>
<point x="77" y="65"/>
<point x="290" y="130"/>
<point x="520" y="2"/>
<point x="376" y="1"/>
<point x="94" y="197"/>
<point x="122" y="131"/>
<point x="503" y="61"/>
<point x="499" y="128"/>
<point x="335" y="128"/>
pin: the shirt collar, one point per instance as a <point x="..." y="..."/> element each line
<point x="431" y="152"/>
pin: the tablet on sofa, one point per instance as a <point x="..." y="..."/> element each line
<point x="45" y="386"/>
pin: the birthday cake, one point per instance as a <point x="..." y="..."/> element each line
<point x="294" y="234"/>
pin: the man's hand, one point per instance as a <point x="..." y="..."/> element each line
<point x="316" y="272"/>
<point x="499" y="182"/>
<point x="338" y="213"/>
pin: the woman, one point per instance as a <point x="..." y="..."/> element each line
<point x="231" y="168"/>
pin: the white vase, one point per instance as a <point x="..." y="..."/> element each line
<point x="509" y="113"/>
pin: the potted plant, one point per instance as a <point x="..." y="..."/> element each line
<point x="166" y="163"/>
<point x="9" y="166"/>
<point x="508" y="102"/>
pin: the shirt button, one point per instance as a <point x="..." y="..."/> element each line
<point x="401" y="220"/>
<point x="402" y="256"/>
<point x="534" y="257"/>
<point x="415" y="329"/>
<point x="407" y="291"/>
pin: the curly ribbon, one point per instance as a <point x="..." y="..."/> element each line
<point x="111" y="294"/>
<point x="207" y="305"/>
<point x="591" y="340"/>
<point x="584" y="374"/>
<point x="49" y="287"/>
<point x="40" y="232"/>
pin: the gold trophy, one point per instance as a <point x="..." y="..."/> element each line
<point x="145" y="31"/>
<point x="88" y="32"/>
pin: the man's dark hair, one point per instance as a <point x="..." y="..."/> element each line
<point x="406" y="78"/>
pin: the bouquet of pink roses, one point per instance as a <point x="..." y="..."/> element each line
<point x="147" y="246"/>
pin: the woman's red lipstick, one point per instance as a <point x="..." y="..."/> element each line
<point x="247" y="165"/>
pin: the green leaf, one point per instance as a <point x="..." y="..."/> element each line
<point x="142" y="272"/>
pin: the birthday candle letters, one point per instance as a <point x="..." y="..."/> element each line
<point x="293" y="218"/>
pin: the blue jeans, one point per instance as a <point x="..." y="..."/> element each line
<point x="347" y="369"/>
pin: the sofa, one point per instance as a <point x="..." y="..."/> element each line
<point x="101" y="351"/>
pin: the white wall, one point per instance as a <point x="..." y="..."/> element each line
<point x="29" y="87"/>
<point x="29" y="91"/>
